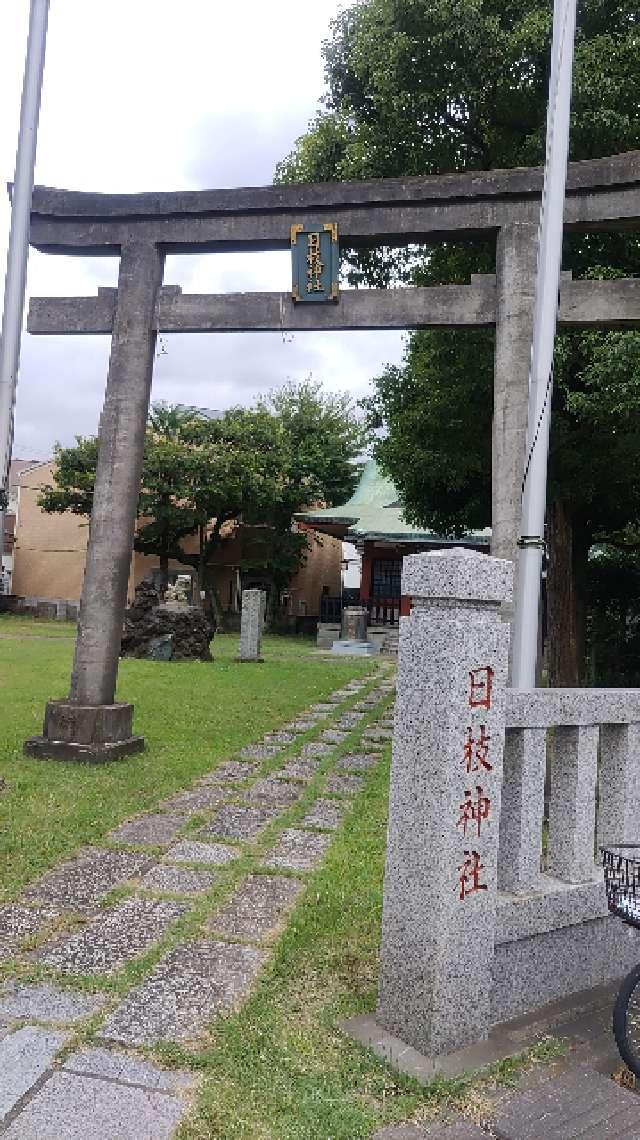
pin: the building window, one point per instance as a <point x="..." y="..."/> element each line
<point x="385" y="577"/>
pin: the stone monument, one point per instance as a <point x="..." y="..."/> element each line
<point x="254" y="604"/>
<point x="441" y="873"/>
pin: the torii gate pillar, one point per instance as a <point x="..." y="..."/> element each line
<point x="91" y="725"/>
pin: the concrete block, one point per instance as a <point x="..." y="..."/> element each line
<point x="258" y="908"/>
<point x="25" y="1055"/>
<point x="114" y="939"/>
<point x="298" y="850"/>
<point x="80" y="883"/>
<point x="71" y="1107"/>
<point x="184" y="992"/>
<point x="45" y="1002"/>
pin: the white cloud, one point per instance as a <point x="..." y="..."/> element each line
<point x="150" y="94"/>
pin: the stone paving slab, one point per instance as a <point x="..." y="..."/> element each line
<point x="19" y="922"/>
<point x="322" y="708"/>
<point x="204" y="798"/>
<point x="379" y="734"/>
<point x="239" y="822"/>
<point x="358" y="762"/>
<point x="300" y="768"/>
<point x="298" y="850"/>
<point x="25" y="1055"/>
<point x="178" y="880"/>
<point x="279" y="738"/>
<point x="299" y="726"/>
<point x="333" y="736"/>
<point x="70" y="1107"/>
<point x="184" y="991"/>
<point x="80" y="883"/>
<point x="114" y="938"/>
<point x="257" y="909"/>
<point x="190" y="851"/>
<point x="231" y="772"/>
<point x="272" y="790"/>
<point x="114" y="1065"/>
<point x="345" y="785"/>
<point x="45" y="1002"/>
<point x="325" y="815"/>
<point x="260" y="751"/>
<point x="580" y="1103"/>
<point x="349" y="720"/>
<point x="157" y="829"/>
<point x="316" y="748"/>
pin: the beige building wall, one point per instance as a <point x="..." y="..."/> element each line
<point x="322" y="568"/>
<point x="50" y="554"/>
<point x="50" y="550"/>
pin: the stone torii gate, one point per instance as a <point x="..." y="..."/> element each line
<point x="142" y="228"/>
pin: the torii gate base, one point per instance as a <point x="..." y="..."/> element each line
<point x="141" y="229"/>
<point x="91" y="733"/>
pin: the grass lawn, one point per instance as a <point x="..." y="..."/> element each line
<point x="192" y="715"/>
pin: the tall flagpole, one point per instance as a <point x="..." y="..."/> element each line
<point x="18" y="252"/>
<point x="531" y="544"/>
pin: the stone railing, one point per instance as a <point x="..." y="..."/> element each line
<point x="588" y="740"/>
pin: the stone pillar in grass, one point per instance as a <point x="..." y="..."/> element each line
<point x="441" y="872"/>
<point x="254" y="604"/>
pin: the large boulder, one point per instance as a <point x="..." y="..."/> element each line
<point x="172" y="631"/>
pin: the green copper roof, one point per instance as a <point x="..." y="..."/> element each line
<point x="373" y="511"/>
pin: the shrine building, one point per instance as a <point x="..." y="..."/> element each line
<point x="372" y="520"/>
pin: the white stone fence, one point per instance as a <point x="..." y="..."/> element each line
<point x="589" y="742"/>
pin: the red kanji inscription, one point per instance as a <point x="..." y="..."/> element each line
<point x="474" y="811"/>
<point x="469" y="875"/>
<point x="480" y="685"/>
<point x="476" y="750"/>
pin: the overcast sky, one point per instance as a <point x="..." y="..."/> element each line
<point x="154" y="94"/>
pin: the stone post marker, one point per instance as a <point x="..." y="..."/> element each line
<point x="251" y="623"/>
<point x="441" y="874"/>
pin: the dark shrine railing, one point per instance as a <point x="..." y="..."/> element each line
<point x="383" y="611"/>
<point x="330" y="608"/>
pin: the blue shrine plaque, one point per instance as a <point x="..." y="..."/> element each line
<point x="314" y="262"/>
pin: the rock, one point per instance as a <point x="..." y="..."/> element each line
<point x="164" y="632"/>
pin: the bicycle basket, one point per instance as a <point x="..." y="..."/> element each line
<point x="622" y="880"/>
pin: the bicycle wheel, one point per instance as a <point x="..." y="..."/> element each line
<point x="626" y="1021"/>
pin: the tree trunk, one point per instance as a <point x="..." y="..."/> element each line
<point x="566" y="597"/>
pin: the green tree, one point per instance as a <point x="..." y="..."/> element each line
<point x="257" y="466"/>
<point x="198" y="474"/>
<point x="323" y="436"/>
<point x="429" y="86"/>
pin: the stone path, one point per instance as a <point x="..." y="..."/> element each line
<point x="239" y="872"/>
<point x="582" y="1104"/>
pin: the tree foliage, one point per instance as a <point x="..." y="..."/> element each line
<point x="255" y="465"/>
<point x="420" y="87"/>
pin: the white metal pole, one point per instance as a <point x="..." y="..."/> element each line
<point x="18" y="251"/>
<point x="531" y="545"/>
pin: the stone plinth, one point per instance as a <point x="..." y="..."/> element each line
<point x="354" y="624"/>
<point x="89" y="733"/>
<point x="441" y="874"/>
<point x="251" y="624"/>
